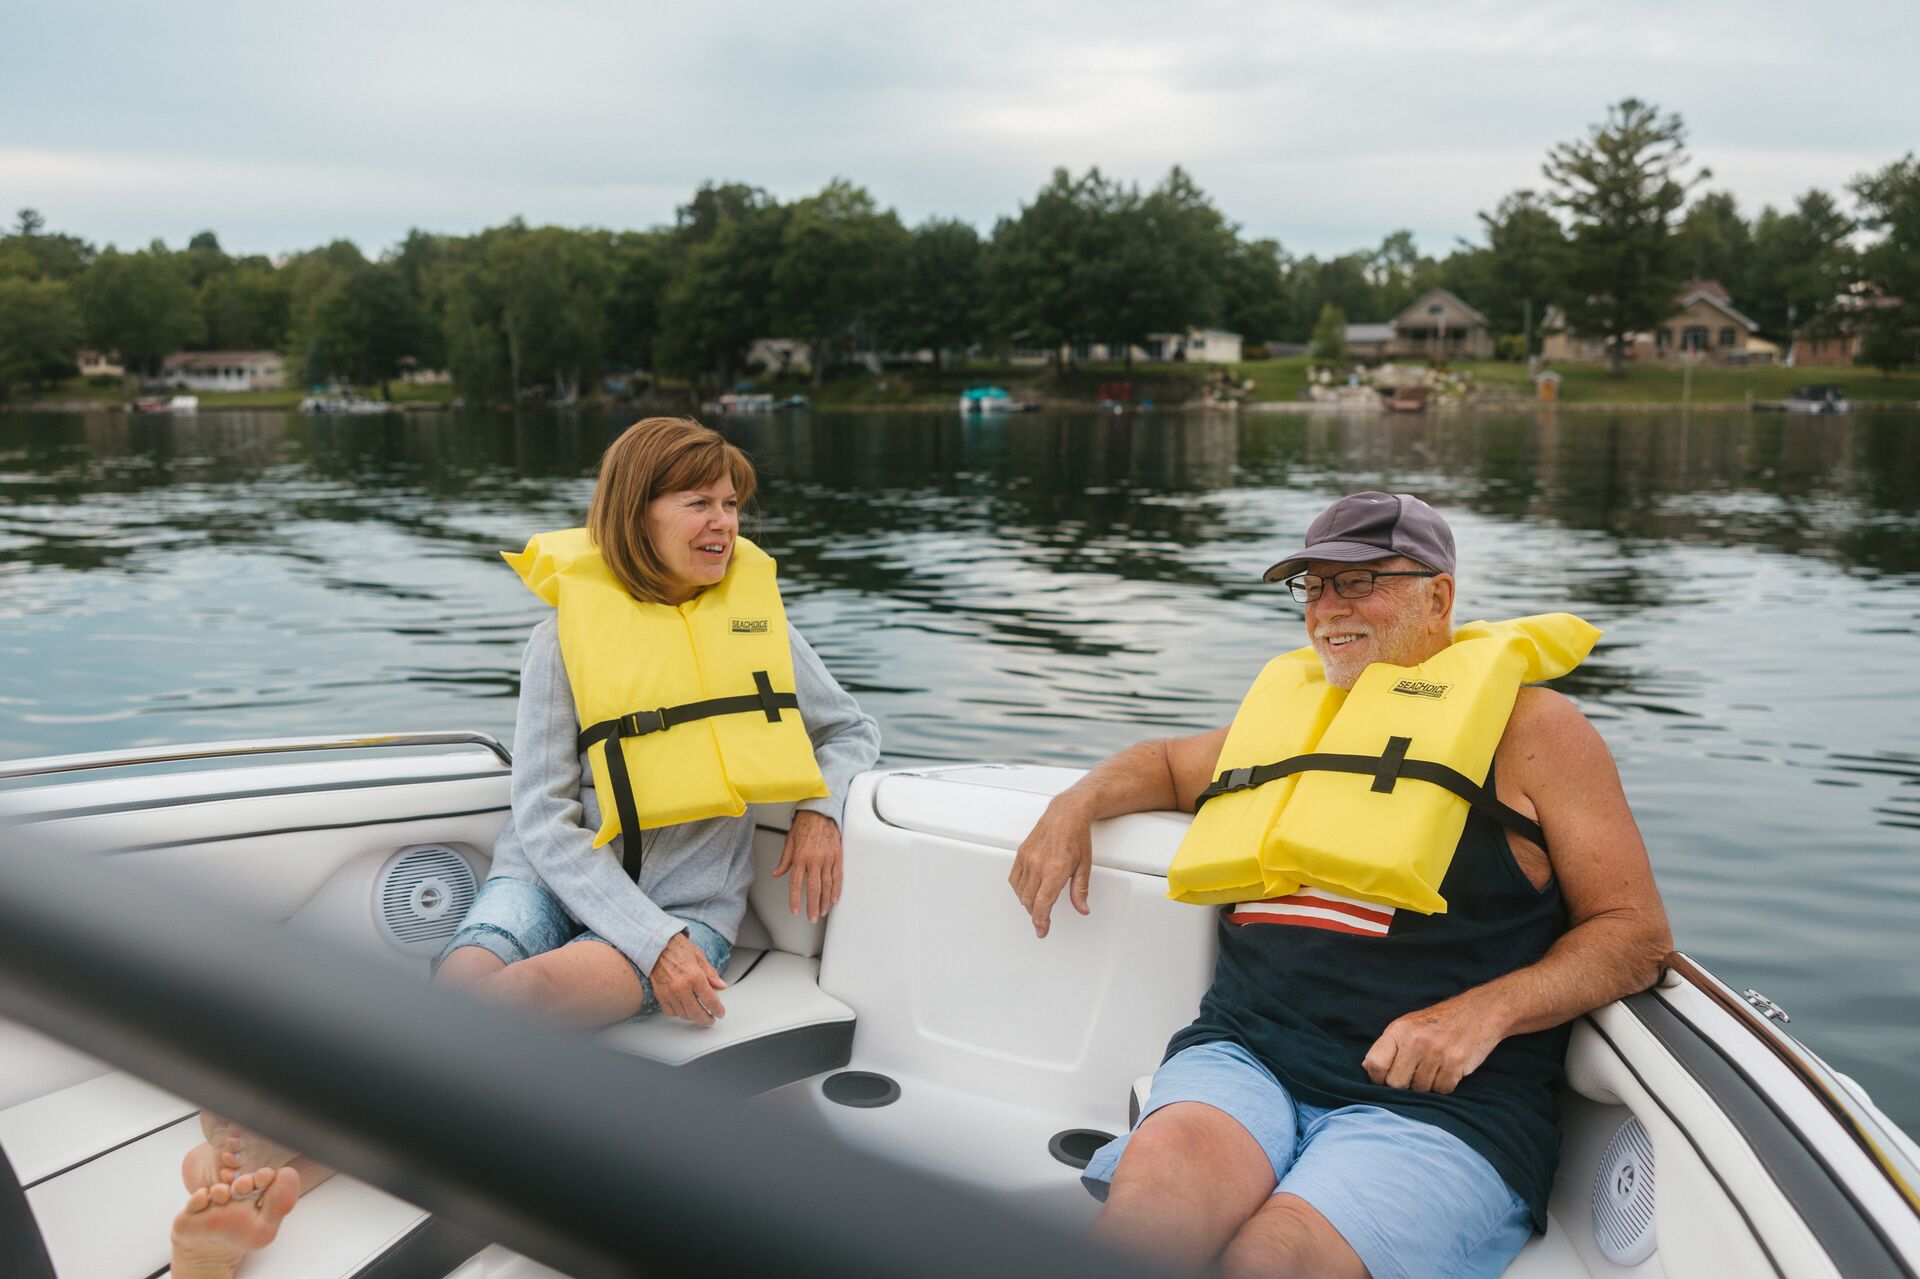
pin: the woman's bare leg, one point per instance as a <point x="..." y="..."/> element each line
<point x="584" y="983"/>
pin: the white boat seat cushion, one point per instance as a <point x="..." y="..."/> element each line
<point x="779" y="1026"/>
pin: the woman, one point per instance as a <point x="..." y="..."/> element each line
<point x="579" y="917"/>
<point x="617" y="888"/>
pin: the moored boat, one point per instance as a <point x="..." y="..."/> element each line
<point x="1818" y="399"/>
<point x="920" y="1022"/>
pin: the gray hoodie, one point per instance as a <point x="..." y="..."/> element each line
<point x="696" y="870"/>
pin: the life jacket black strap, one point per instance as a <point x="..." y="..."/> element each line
<point x="1386" y="769"/>
<point x="763" y="700"/>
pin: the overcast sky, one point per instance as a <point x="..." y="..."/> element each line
<point x="1324" y="125"/>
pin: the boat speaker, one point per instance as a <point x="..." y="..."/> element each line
<point x="421" y="895"/>
<point x="1623" y="1196"/>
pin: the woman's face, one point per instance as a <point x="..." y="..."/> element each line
<point x="692" y="532"/>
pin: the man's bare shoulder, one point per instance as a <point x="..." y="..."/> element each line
<point x="1546" y="731"/>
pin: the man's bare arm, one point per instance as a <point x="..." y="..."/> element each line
<point x="1617" y="934"/>
<point x="1168" y="773"/>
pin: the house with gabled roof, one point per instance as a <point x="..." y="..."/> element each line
<point x="1705" y="325"/>
<point x="1437" y="325"/>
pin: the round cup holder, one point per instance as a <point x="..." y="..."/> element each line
<point x="1074" y="1147"/>
<point x="861" y="1089"/>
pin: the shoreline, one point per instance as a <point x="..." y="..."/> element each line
<point x="1295" y="408"/>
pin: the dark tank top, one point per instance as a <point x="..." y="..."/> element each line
<point x="1308" y="984"/>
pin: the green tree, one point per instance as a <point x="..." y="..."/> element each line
<point x="642" y="263"/>
<point x="1620" y="187"/>
<point x="942" y="299"/>
<point x="1053" y="271"/>
<point x="245" y="308"/>
<point x="716" y="301"/>
<point x="1890" y="264"/>
<point x="29" y="252"/>
<point x="39" y="330"/>
<point x="1713" y="242"/>
<point x="1524" y="266"/>
<point x="840" y="262"/>
<point x="1169" y="267"/>
<point x="1340" y="282"/>
<point x="139" y="304"/>
<point x="1398" y="274"/>
<point x="1802" y="261"/>
<point x="1253" y="290"/>
<point x="1329" y="341"/>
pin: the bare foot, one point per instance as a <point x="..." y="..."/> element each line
<point x="223" y="1223"/>
<point x="231" y="1148"/>
<point x="208" y="1164"/>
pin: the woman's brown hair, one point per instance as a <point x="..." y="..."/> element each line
<point x="653" y="456"/>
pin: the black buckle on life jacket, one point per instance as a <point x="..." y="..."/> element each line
<point x="1238" y="779"/>
<point x="640" y="723"/>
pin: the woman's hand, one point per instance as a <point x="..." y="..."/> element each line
<point x="686" y="984"/>
<point x="812" y="853"/>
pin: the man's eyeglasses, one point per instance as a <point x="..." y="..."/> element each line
<point x="1348" y="584"/>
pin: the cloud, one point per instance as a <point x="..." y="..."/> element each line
<point x="1323" y="126"/>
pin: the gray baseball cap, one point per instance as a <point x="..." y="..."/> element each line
<point x="1370" y="526"/>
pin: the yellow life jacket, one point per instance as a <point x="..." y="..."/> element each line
<point x="1365" y="792"/>
<point x="698" y="698"/>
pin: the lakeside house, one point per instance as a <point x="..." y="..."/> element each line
<point x="1704" y="325"/>
<point x="1195" y="346"/>
<point x="225" y="371"/>
<point x="94" y="364"/>
<point x="1437" y="325"/>
<point x="1837" y="338"/>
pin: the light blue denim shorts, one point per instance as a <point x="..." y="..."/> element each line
<point x="1410" y="1198"/>
<point x="516" y="920"/>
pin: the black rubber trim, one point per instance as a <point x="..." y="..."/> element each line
<point x="102" y="1154"/>
<point x="431" y="1250"/>
<point x="270" y="792"/>
<point x="760" y="1065"/>
<point x="23" y="1253"/>
<point x="1753" y="1230"/>
<point x="1849" y="1234"/>
<point x="302" y="830"/>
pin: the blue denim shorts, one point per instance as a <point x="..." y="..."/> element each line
<point x="1410" y="1198"/>
<point x="516" y="920"/>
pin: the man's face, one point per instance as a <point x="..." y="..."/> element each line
<point x="1404" y="621"/>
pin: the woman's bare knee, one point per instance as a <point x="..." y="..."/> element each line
<point x="468" y="965"/>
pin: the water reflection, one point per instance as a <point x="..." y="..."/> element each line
<point x="1051" y="587"/>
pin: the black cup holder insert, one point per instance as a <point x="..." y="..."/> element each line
<point x="862" y="1089"/>
<point x="1075" y="1146"/>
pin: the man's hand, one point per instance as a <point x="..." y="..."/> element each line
<point x="1433" y="1049"/>
<point x="685" y="983"/>
<point x="1058" y="851"/>
<point x="812" y="853"/>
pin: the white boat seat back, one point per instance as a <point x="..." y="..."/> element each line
<point x="767" y="896"/>
<point x="931" y="949"/>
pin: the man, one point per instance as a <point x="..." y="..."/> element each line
<point x="1370" y="1091"/>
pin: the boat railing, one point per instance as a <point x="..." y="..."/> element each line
<point x="590" y="1161"/>
<point x="144" y="756"/>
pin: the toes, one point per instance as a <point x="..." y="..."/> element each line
<point x="220" y="1193"/>
<point x="197" y="1201"/>
<point x="279" y="1193"/>
<point x="245" y="1185"/>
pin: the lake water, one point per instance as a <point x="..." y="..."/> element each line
<point x="1053" y="587"/>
